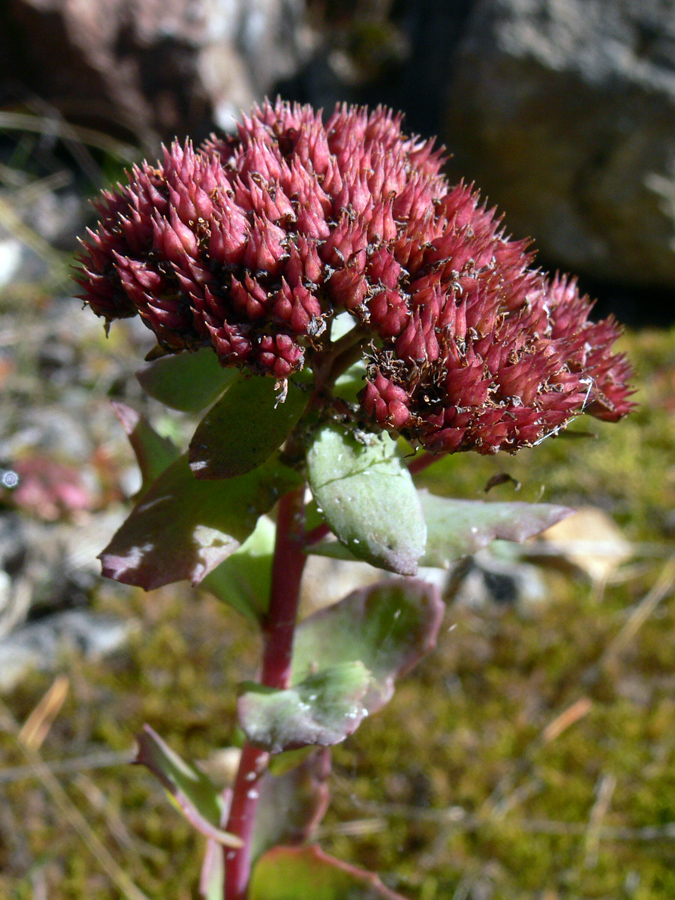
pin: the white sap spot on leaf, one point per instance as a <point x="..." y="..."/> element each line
<point x="117" y="565"/>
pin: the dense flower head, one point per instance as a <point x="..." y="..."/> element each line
<point x="252" y="243"/>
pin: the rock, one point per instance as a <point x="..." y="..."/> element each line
<point x="149" y="68"/>
<point x="42" y="645"/>
<point x="10" y="259"/>
<point x="563" y="113"/>
<point x="14" y="598"/>
<point x="49" y="567"/>
<point x="487" y="582"/>
<point x="588" y="542"/>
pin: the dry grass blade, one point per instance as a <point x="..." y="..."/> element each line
<point x="132" y="847"/>
<point x="101" y="760"/>
<point x="644" y="609"/>
<point x="37" y="725"/>
<point x="70" y="812"/>
<point x="459" y="819"/>
<point x="13" y="121"/>
<point x="566" y="719"/>
<point x="604" y="792"/>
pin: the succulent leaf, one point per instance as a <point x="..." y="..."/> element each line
<point x="297" y="873"/>
<point x="368" y="498"/>
<point x="186" y="381"/>
<point x="183" y="528"/>
<point x="190" y="789"/>
<point x="244" y="428"/>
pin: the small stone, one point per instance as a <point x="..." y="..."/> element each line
<point x="42" y="645"/>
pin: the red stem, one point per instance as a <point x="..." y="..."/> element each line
<point x="422" y="461"/>
<point x="279" y="628"/>
<point x="316" y="534"/>
<point x="287" y="568"/>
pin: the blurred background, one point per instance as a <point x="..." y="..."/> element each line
<point x="533" y="755"/>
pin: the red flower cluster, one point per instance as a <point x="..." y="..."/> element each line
<point x="252" y="243"/>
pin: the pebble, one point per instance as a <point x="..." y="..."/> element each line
<point x="44" y="644"/>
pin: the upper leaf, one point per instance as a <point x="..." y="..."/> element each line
<point x="183" y="528"/>
<point x="300" y="873"/>
<point x="191" y="790"/>
<point x="244" y="428"/>
<point x="460" y="527"/>
<point x="188" y="381"/>
<point x="368" y="498"/>
<point x="388" y="626"/>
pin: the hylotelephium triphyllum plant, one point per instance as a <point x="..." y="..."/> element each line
<point x="347" y="317"/>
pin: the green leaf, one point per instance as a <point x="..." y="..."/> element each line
<point x="368" y="498"/>
<point x="244" y="428"/>
<point x="345" y="661"/>
<point x="244" y="579"/>
<point x="191" y="791"/>
<point x="388" y="626"/>
<point x="332" y="549"/>
<point x="321" y="709"/>
<point x="154" y="453"/>
<point x="292" y="804"/>
<point x="184" y="528"/>
<point x="307" y="873"/>
<point x="460" y="527"/>
<point x="188" y="381"/>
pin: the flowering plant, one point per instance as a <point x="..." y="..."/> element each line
<point x="346" y="317"/>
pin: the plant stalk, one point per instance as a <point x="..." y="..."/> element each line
<point x="279" y="629"/>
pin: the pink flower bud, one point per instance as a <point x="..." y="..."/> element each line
<point x="265" y="247"/>
<point x="255" y="241"/>
<point x="389" y="313"/>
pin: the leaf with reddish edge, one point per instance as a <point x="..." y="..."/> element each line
<point x="388" y="626"/>
<point x="460" y="527"/>
<point x="244" y="428"/>
<point x="301" y="873"/>
<point x="191" y="791"/>
<point x="457" y="528"/>
<point x="188" y="381"/>
<point x="183" y="528"/>
<point x="321" y="709"/>
<point x="153" y="452"/>
<point x="368" y="498"/>
<point x="244" y="579"/>
<point x="291" y="805"/>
